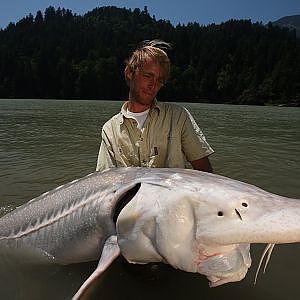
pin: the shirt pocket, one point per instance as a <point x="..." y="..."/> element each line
<point x="155" y="158"/>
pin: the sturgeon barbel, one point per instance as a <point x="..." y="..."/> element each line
<point x="194" y="221"/>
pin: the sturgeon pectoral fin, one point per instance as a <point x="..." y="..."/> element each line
<point x="110" y="252"/>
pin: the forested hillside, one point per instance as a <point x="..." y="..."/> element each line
<point x="57" y="54"/>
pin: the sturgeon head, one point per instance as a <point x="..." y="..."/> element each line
<point x="205" y="223"/>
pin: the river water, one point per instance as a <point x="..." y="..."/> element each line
<point x="45" y="143"/>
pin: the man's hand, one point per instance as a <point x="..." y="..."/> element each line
<point x="202" y="164"/>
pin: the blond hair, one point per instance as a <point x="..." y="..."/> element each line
<point x="149" y="50"/>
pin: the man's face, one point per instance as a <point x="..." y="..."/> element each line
<point x="145" y="83"/>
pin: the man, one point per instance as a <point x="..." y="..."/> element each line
<point x="148" y="133"/>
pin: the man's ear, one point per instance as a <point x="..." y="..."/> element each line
<point x="131" y="74"/>
<point x="128" y="76"/>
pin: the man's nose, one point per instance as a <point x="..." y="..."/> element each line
<point x="154" y="82"/>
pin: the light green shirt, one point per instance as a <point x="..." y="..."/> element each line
<point x="169" y="139"/>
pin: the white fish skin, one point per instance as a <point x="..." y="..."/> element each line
<point x="204" y="223"/>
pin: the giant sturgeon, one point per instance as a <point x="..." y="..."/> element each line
<point x="194" y="221"/>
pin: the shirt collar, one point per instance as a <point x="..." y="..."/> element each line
<point x="123" y="114"/>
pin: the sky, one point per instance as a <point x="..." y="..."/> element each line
<point x="203" y="12"/>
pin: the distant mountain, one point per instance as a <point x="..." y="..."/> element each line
<point x="291" y="22"/>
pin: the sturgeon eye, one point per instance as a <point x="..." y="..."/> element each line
<point x="220" y="213"/>
<point x="244" y="204"/>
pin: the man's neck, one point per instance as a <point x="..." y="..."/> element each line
<point x="137" y="107"/>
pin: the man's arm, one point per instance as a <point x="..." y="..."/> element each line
<point x="202" y="164"/>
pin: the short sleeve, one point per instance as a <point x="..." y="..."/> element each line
<point x="194" y="144"/>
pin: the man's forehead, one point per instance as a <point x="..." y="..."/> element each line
<point x="150" y="66"/>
